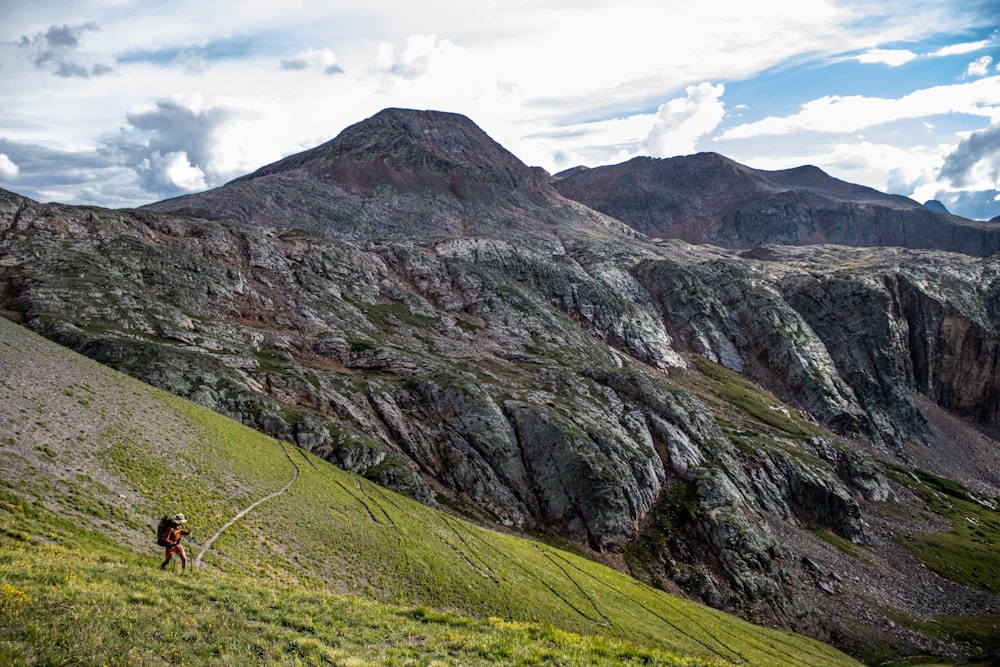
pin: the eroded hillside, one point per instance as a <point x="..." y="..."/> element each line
<point x="726" y="424"/>
<point x="325" y="567"/>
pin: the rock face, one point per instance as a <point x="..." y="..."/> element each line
<point x="413" y="304"/>
<point x="707" y="198"/>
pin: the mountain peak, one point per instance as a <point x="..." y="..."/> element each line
<point x="405" y="142"/>
<point x="414" y="174"/>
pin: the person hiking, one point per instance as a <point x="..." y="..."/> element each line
<point x="170" y="533"/>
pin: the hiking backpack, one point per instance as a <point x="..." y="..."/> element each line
<point x="161" y="531"/>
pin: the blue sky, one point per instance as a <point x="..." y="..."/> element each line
<point x="124" y="102"/>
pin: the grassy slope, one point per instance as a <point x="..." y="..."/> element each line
<point x="969" y="553"/>
<point x="80" y="441"/>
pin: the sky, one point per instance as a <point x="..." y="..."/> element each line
<point x="119" y="103"/>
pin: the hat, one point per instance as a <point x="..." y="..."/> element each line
<point x="180" y="518"/>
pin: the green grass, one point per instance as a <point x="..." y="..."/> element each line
<point x="336" y="569"/>
<point x="70" y="596"/>
<point x="981" y="633"/>
<point x="969" y="553"/>
<point x="390" y="316"/>
<point x="751" y="401"/>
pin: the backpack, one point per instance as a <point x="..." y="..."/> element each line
<point x="161" y="530"/>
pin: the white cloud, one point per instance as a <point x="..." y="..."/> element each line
<point x="975" y="162"/>
<point x="175" y="171"/>
<point x="834" y="113"/>
<point x="682" y="121"/>
<point x="8" y="170"/>
<point x="863" y="162"/>
<point x="590" y="143"/>
<point x="56" y="195"/>
<point x="417" y="56"/>
<point x="174" y="143"/>
<point x="959" y="49"/>
<point x="905" y="170"/>
<point x="323" y="60"/>
<point x="890" y="57"/>
<point x="979" y="66"/>
<point x="192" y="63"/>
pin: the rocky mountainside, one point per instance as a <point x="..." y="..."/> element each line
<point x="708" y="198"/>
<point x="755" y="428"/>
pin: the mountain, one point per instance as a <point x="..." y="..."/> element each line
<point x="401" y="174"/>
<point x="327" y="568"/>
<point x="708" y="198"/>
<point x="804" y="436"/>
<point x="935" y="205"/>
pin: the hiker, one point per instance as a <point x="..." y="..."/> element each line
<point x="169" y="535"/>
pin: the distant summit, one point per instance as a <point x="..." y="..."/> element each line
<point x="399" y="174"/>
<point x="935" y="205"/>
<point x="709" y="198"/>
<point x="430" y="175"/>
<point x="411" y="149"/>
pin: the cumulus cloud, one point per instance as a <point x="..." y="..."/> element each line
<point x="890" y="57"/>
<point x="173" y="171"/>
<point x="979" y="67"/>
<point x="416" y="58"/>
<point x="975" y="162"/>
<point x="323" y="60"/>
<point x="682" y="121"/>
<point x="173" y="145"/>
<point x="8" y="170"/>
<point x="55" y="50"/>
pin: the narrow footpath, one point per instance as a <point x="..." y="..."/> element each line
<point x="243" y="512"/>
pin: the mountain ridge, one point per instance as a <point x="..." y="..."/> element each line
<point x="709" y="198"/>
<point x="432" y="174"/>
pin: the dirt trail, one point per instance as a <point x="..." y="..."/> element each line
<point x="208" y="545"/>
